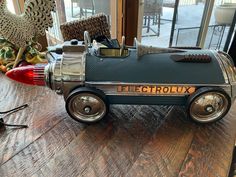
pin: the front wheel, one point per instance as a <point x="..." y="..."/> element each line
<point x="86" y="105"/>
<point x="208" y="105"/>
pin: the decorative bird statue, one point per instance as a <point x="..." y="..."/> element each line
<point x="22" y="30"/>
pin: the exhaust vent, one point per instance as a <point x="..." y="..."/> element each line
<point x="195" y="58"/>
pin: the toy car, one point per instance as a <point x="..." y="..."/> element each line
<point x="91" y="77"/>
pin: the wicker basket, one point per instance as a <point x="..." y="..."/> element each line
<point x="96" y="25"/>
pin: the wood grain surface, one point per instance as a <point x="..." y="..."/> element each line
<point x="131" y="141"/>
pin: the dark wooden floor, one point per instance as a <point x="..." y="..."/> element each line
<point x="132" y="141"/>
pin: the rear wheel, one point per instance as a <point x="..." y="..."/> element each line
<point x="208" y="105"/>
<point x="86" y="105"/>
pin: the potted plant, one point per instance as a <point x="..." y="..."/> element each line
<point x="224" y="13"/>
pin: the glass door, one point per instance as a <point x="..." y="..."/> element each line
<point x="221" y="25"/>
<point x="188" y="23"/>
<point x="171" y="22"/>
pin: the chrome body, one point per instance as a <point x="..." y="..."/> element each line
<point x="68" y="71"/>
<point x="229" y="70"/>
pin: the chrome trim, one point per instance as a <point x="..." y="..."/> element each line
<point x="132" y="83"/>
<point x="47" y="71"/>
<point x="227" y="56"/>
<point x="231" y="71"/>
<point x="70" y="68"/>
<point x="110" y="88"/>
<point x="233" y="92"/>
<point x="221" y="66"/>
<point x="56" y="77"/>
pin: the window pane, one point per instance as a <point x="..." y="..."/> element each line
<point x="220" y="23"/>
<point x="158" y="19"/>
<point x="157" y="22"/>
<point x="188" y="22"/>
<point x="10" y="6"/>
<point x="77" y="9"/>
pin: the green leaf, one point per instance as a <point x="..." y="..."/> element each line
<point x="2" y="55"/>
<point x="2" y="50"/>
<point x="2" y="40"/>
<point x="9" y="54"/>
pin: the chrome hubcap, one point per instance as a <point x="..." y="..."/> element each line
<point x="209" y="107"/>
<point x="87" y="107"/>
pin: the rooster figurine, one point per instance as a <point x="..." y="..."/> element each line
<point x="22" y="30"/>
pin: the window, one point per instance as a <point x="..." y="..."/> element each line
<point x="70" y="10"/>
<point x="78" y="9"/>
<point x="186" y="22"/>
<point x="10" y="6"/>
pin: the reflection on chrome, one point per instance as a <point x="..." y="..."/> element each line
<point x="209" y="106"/>
<point x="87" y="107"/>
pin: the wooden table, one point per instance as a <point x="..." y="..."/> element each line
<point x="132" y="141"/>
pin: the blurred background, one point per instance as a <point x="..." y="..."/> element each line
<point x="208" y="24"/>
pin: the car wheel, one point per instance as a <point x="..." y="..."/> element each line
<point x="208" y="105"/>
<point x="87" y="105"/>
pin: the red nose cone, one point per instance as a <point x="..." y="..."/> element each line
<point x="31" y="74"/>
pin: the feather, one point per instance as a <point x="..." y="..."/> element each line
<point x="39" y="13"/>
<point x="21" y="29"/>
